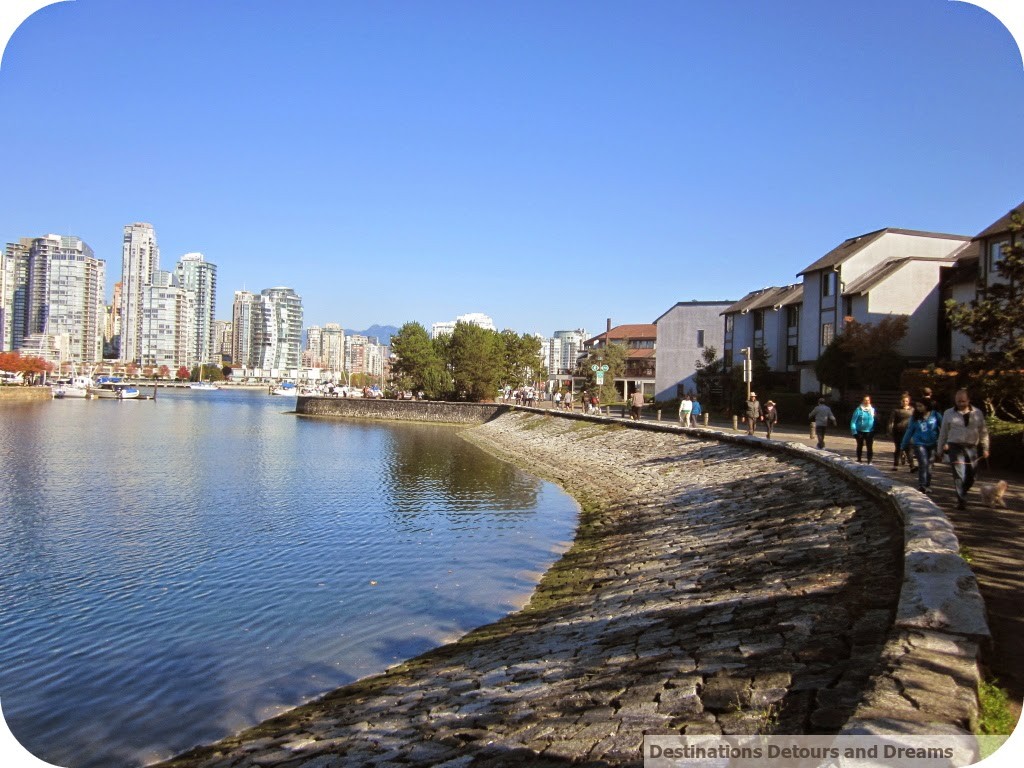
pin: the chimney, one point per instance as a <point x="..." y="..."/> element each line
<point x="609" y="328"/>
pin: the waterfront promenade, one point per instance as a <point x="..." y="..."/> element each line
<point x="712" y="588"/>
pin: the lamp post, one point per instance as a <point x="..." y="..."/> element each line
<point x="748" y="369"/>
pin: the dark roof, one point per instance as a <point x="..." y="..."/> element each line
<point x="765" y="298"/>
<point x="848" y="248"/>
<point x="999" y="226"/>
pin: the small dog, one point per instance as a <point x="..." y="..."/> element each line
<point x="993" y="493"/>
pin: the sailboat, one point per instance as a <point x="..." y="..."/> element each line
<point x="203" y="386"/>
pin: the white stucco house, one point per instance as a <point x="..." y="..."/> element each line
<point x="872" y="276"/>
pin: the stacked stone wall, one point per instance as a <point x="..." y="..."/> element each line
<point x="716" y="585"/>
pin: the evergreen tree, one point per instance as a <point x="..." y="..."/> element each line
<point x="994" y="322"/>
<point x="417" y="365"/>
<point x="475" y="356"/>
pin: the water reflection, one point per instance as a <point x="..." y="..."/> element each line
<point x="171" y="571"/>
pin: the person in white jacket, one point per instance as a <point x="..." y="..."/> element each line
<point x="964" y="438"/>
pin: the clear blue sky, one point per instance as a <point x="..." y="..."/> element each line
<point x="551" y="164"/>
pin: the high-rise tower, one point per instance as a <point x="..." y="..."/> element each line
<point x="140" y="259"/>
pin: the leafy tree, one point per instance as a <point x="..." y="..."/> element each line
<point x="521" y="360"/>
<point x="475" y="356"/>
<point x="15" y="362"/>
<point x="227" y="371"/>
<point x="614" y="356"/>
<point x="182" y="373"/>
<point x="417" y="365"/>
<point x="163" y="371"/>
<point x="994" y="322"/>
<point x="205" y="372"/>
<point x="864" y="356"/>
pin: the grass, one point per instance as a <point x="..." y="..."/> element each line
<point x="995" y="717"/>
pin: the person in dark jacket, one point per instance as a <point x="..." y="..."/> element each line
<point x="899" y="418"/>
<point x="770" y="415"/>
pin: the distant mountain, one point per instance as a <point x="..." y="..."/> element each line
<point x="382" y="332"/>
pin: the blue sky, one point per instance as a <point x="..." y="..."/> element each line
<point x="551" y="164"/>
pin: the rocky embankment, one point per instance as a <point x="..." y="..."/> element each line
<point x="713" y="587"/>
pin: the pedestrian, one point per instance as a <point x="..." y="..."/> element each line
<point x="963" y="437"/>
<point x="637" y="402"/>
<point x="557" y="399"/>
<point x="753" y="413"/>
<point x="862" y="427"/>
<point x="595" y="403"/>
<point x="685" y="409"/>
<point x="770" y="416"/>
<point x="923" y="434"/>
<point x="822" y="417"/>
<point x="696" y="412"/>
<point x="899" y="418"/>
<point x="567" y="401"/>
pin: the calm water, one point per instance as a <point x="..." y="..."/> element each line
<point x="172" y="571"/>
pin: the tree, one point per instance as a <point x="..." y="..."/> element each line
<point x="864" y="355"/>
<point x="14" y="362"/>
<point x="709" y="378"/>
<point x="994" y="322"/>
<point x="182" y="374"/>
<point x="475" y="356"/>
<point x="521" y="360"/>
<point x="163" y="371"/>
<point x="614" y="356"/>
<point x="417" y="365"/>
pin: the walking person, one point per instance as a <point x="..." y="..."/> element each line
<point x="963" y="437"/>
<point x="822" y="417"/>
<point x="636" y="403"/>
<point x="771" y="417"/>
<point x="899" y="418"/>
<point x="862" y="427"/>
<point x="923" y="434"/>
<point x="567" y="401"/>
<point x="696" y="412"/>
<point x="753" y="413"/>
<point x="685" y="409"/>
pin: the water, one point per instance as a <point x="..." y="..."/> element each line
<point x="172" y="571"/>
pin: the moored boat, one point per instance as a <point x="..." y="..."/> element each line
<point x="286" y="388"/>
<point x="112" y="388"/>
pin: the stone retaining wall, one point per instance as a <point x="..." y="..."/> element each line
<point x="399" y="410"/>
<point x="24" y="394"/>
<point x="717" y="584"/>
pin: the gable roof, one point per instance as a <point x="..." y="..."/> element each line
<point x="694" y="303"/>
<point x="880" y="272"/>
<point x="766" y="298"/>
<point x="1000" y="225"/>
<point x="854" y="245"/>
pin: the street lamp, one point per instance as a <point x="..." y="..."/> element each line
<point x="748" y="369"/>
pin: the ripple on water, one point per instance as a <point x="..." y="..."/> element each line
<point x="175" y="570"/>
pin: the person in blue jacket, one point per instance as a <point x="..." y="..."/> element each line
<point x="923" y="434"/>
<point x="862" y="427"/>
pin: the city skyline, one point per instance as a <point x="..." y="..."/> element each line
<point x="413" y="156"/>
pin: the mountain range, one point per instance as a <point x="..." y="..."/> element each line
<point x="382" y="332"/>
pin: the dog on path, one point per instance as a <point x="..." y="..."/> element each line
<point x="993" y="493"/>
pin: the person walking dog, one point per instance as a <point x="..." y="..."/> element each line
<point x="963" y="437"/>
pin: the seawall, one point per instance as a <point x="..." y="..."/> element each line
<point x="717" y="584"/>
<point x="25" y="394"/>
<point x="399" y="410"/>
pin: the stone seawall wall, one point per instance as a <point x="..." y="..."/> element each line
<point x="24" y="394"/>
<point x="399" y="410"/>
<point x="716" y="585"/>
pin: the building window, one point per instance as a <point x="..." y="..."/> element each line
<point x="792" y="355"/>
<point x="727" y="359"/>
<point x="848" y="306"/>
<point x="827" y="334"/>
<point x="828" y="284"/>
<point x="996" y="254"/>
<point x="759" y="320"/>
<point x="700" y="339"/>
<point x="792" y="315"/>
<point x="728" y="323"/>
